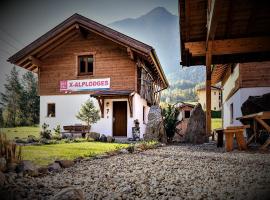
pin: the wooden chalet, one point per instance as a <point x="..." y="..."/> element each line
<point x="221" y="33"/>
<point x="79" y="58"/>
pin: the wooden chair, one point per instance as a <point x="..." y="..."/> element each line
<point x="238" y="131"/>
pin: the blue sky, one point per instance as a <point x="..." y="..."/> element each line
<point x="23" y="21"/>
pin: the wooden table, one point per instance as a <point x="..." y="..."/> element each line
<point x="258" y="118"/>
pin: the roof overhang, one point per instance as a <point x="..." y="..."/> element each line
<point x="236" y="30"/>
<point x="32" y="55"/>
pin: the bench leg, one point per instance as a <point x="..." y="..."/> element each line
<point x="242" y="145"/>
<point x="229" y="141"/>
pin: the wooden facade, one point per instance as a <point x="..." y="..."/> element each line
<point x="131" y="65"/>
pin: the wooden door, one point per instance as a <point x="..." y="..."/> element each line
<point x="120" y="118"/>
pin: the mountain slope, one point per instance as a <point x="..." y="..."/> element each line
<point x="160" y="29"/>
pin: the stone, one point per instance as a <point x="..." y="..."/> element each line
<point x="93" y="135"/>
<point x="43" y="170"/>
<point x="110" y="139"/>
<point x="54" y="167"/>
<point x="3" y="164"/>
<point x="27" y="167"/>
<point x="11" y="167"/>
<point x="69" y="193"/>
<point x="103" y="138"/>
<point x="155" y="126"/>
<point x="65" y="163"/>
<point x="2" y="179"/>
<point x="31" y="139"/>
<point x="195" y="132"/>
<point x="124" y="151"/>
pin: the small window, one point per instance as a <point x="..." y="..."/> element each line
<point x="187" y="114"/>
<point x="85" y="65"/>
<point x="231" y="113"/>
<point x="51" y="110"/>
<point x="215" y="108"/>
<point x="215" y="93"/>
<point x="144" y="114"/>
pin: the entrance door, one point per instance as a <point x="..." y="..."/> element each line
<point x="120" y="118"/>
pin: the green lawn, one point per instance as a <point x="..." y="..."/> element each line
<point x="21" y="132"/>
<point x="45" y="154"/>
<point x="216" y="123"/>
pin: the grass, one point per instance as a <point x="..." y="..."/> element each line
<point x="216" y="123"/>
<point x="46" y="154"/>
<point x="21" y="132"/>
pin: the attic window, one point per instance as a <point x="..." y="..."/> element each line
<point x="85" y="65"/>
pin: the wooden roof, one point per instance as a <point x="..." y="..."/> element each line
<point x="31" y="56"/>
<point x="238" y="30"/>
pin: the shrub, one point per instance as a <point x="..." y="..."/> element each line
<point x="57" y="131"/>
<point x="95" y="136"/>
<point x="45" y="133"/>
<point x="170" y="115"/>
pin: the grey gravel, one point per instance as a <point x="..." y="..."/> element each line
<point x="170" y="172"/>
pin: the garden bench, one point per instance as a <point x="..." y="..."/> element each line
<point x="76" y="130"/>
<point x="238" y="131"/>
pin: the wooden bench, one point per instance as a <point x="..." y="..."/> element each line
<point x="238" y="132"/>
<point x="76" y="129"/>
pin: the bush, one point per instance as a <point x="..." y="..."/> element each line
<point x="45" y="133"/>
<point x="57" y="131"/>
<point x="95" y="136"/>
<point x="170" y="115"/>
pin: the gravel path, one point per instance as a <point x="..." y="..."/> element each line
<point x="171" y="172"/>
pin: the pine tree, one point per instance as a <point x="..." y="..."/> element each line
<point x="10" y="100"/>
<point x="88" y="113"/>
<point x="30" y="99"/>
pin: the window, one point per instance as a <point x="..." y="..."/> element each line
<point x="215" y="93"/>
<point x="51" y="110"/>
<point x="85" y="65"/>
<point x="144" y="114"/>
<point x="187" y="113"/>
<point x="231" y="113"/>
<point x="215" y="108"/>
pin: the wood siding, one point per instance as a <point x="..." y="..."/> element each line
<point x="110" y="60"/>
<point x="254" y="74"/>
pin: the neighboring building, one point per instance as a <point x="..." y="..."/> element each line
<point x="215" y="98"/>
<point x="183" y="118"/>
<point x="239" y="82"/>
<point x="79" y="58"/>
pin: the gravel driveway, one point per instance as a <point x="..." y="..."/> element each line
<point x="171" y="172"/>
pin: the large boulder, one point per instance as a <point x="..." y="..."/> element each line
<point x="54" y="167"/>
<point x="155" y="126"/>
<point x="196" y="133"/>
<point x="69" y="193"/>
<point x="65" y="163"/>
<point x="27" y="167"/>
<point x="94" y="136"/>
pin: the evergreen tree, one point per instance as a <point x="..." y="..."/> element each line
<point x="30" y="99"/>
<point x="10" y="100"/>
<point x="88" y="113"/>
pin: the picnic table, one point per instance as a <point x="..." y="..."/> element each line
<point x="254" y="120"/>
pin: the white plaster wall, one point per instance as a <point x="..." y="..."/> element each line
<point x="238" y="99"/>
<point x="67" y="106"/>
<point x="230" y="83"/>
<point x="214" y="99"/>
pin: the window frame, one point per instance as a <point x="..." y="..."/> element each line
<point x="231" y="113"/>
<point x="77" y="60"/>
<point x="48" y="115"/>
<point x="144" y="121"/>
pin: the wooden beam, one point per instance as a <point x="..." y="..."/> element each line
<point x="212" y="19"/>
<point x="101" y="105"/>
<point x="130" y="103"/>
<point x="208" y="89"/>
<point x="230" y="46"/>
<point x="130" y="53"/>
<point x="35" y="61"/>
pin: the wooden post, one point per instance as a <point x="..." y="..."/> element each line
<point x="208" y="89"/>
